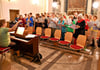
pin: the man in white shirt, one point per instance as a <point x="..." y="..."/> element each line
<point x="53" y="23"/>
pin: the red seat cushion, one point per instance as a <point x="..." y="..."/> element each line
<point x="76" y="47"/>
<point x="3" y="49"/>
<point x="53" y="39"/>
<point x="64" y="42"/>
<point x="44" y="37"/>
<point x="97" y="38"/>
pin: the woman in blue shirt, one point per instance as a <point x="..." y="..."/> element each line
<point x="61" y="26"/>
<point x="29" y="21"/>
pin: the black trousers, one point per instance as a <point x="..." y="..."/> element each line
<point x="14" y="46"/>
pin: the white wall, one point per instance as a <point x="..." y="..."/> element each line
<point x="25" y="6"/>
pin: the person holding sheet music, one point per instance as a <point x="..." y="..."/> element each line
<point x="5" y="36"/>
<point x="61" y="26"/>
<point x="68" y="27"/>
<point x="45" y="22"/>
<point x="86" y="20"/>
<point x="93" y="31"/>
<point x="29" y="21"/>
<point x="53" y="23"/>
<point x="80" y="25"/>
<point x="17" y="18"/>
<point x="22" y="24"/>
<point x="38" y="21"/>
<point x="25" y="16"/>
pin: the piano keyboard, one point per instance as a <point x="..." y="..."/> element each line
<point x="20" y="39"/>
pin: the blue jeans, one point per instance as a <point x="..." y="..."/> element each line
<point x="62" y="35"/>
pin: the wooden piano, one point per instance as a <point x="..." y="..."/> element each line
<point x="27" y="45"/>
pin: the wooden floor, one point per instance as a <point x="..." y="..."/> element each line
<point x="54" y="60"/>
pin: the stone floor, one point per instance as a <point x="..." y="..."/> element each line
<point x="53" y="60"/>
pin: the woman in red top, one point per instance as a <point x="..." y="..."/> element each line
<point x="22" y="24"/>
<point x="86" y="20"/>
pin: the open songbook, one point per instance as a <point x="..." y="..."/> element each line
<point x="73" y="26"/>
<point x="90" y="24"/>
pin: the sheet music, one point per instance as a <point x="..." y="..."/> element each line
<point x="73" y="26"/>
<point x="41" y="20"/>
<point x="20" y="30"/>
<point x="69" y="21"/>
<point x="90" y="24"/>
<point x="30" y="36"/>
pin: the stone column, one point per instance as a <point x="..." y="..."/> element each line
<point x="62" y="5"/>
<point x="89" y="6"/>
<point x="66" y="6"/>
<point x="98" y="12"/>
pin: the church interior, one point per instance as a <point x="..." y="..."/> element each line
<point x="49" y="34"/>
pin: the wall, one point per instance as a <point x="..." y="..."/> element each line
<point x="90" y="4"/>
<point x="50" y="5"/>
<point x="50" y="9"/>
<point x="76" y="3"/>
<point x="25" y="6"/>
<point x="0" y="8"/>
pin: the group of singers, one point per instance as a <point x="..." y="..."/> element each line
<point x="53" y="21"/>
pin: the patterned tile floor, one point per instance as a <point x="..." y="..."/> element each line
<point x="53" y="60"/>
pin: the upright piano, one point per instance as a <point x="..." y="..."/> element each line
<point x="27" y="45"/>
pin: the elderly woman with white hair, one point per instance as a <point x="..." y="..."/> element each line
<point x="80" y="27"/>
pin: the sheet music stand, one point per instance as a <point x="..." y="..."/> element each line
<point x="21" y="32"/>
